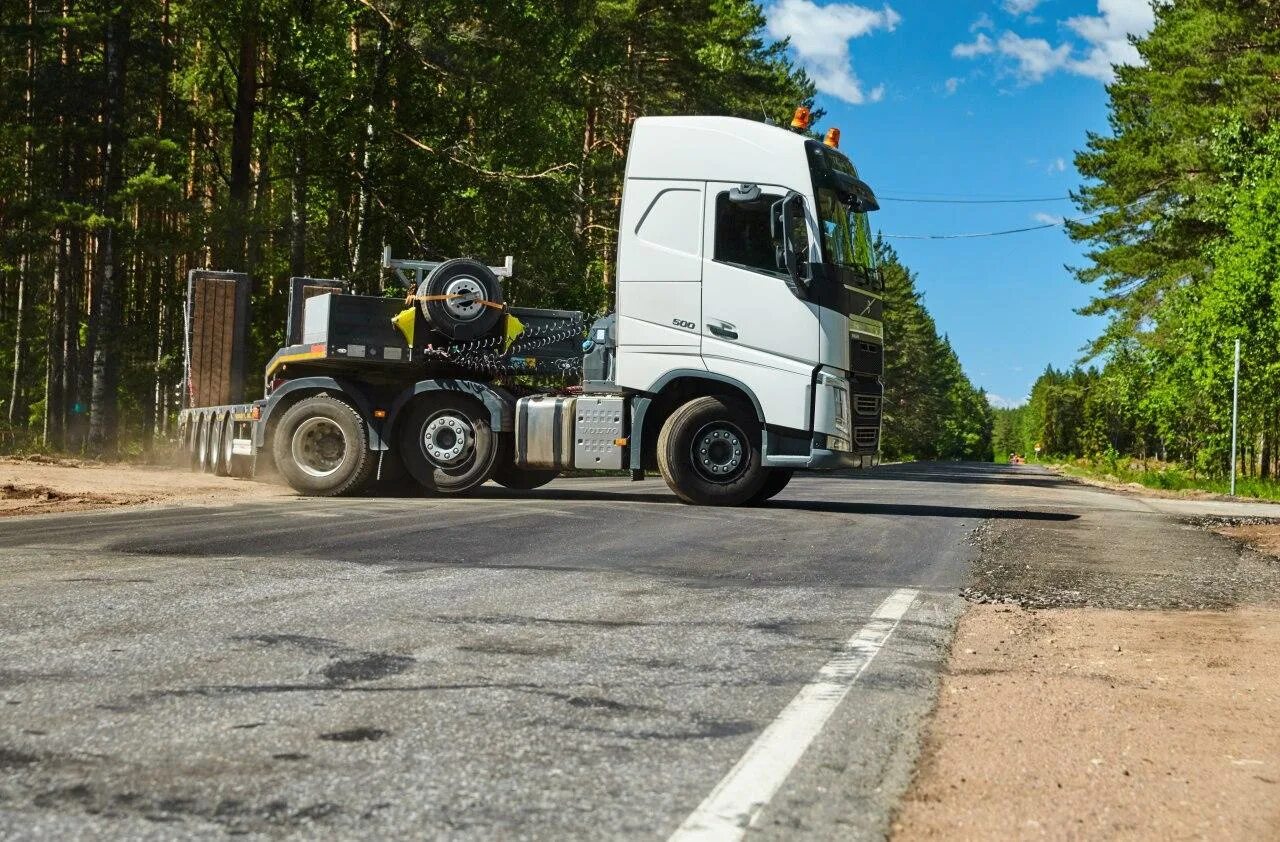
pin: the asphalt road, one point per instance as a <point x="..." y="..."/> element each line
<point x="586" y="661"/>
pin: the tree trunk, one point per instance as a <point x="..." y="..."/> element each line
<point x="298" y="216"/>
<point x="17" y="403"/>
<point x="365" y="176"/>
<point x="241" y="178"/>
<point x="105" y="327"/>
<point x="75" y="380"/>
<point x="53" y="412"/>
<point x="17" y="393"/>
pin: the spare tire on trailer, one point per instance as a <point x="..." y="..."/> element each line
<point x="321" y="448"/>
<point x="462" y="299"/>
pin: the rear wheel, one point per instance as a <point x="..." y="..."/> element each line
<point x="776" y="480"/>
<point x="709" y="452"/>
<point x="202" y="444"/>
<point x="191" y="444"/>
<point x="447" y="443"/>
<point x="321" y="448"/>
<point x="220" y="445"/>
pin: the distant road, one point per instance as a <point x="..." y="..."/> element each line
<point x="586" y="661"/>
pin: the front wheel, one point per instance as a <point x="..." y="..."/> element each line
<point x="321" y="448"/>
<point x="709" y="452"/>
<point x="447" y="443"/>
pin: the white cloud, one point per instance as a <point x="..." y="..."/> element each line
<point x="1047" y="218"/>
<point x="1057" y="165"/>
<point x="979" y="46"/>
<point x="820" y="36"/>
<point x="1107" y="35"/>
<point x="1004" y="403"/>
<point x="984" y="21"/>
<point x="952" y="85"/>
<point x="1102" y="41"/>
<point x="1033" y="56"/>
<point x="1020" y="7"/>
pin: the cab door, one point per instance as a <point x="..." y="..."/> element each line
<point x="755" y="328"/>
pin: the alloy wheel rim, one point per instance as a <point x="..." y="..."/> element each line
<point x="465" y="294"/>
<point x="318" y="447"/>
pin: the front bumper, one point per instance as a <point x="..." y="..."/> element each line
<point x="821" y="459"/>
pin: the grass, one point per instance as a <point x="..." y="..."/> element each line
<point x="1168" y="477"/>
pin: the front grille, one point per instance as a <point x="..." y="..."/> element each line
<point x="866" y="404"/>
<point x="866" y="357"/>
<point x="865" y="436"/>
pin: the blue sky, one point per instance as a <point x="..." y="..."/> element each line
<point x="978" y="99"/>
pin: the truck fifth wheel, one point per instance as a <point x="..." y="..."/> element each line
<point x="746" y="344"/>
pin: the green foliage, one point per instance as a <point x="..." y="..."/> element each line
<point x="931" y="410"/>
<point x="1184" y="252"/>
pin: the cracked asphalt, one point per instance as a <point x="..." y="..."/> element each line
<point x="585" y="661"/>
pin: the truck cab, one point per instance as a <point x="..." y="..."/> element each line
<point x="745" y="259"/>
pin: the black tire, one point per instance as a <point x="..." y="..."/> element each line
<point x="321" y="448"/>
<point x="508" y="475"/>
<point x="237" y="466"/>
<point x="190" y="444"/>
<point x="202" y="444"/>
<point x="727" y="434"/>
<point x="776" y="480"/>
<point x="462" y="318"/>
<point x="224" y="429"/>
<point x="447" y="444"/>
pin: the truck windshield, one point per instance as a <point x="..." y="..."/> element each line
<point x="846" y="236"/>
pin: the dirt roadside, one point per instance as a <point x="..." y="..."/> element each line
<point x="41" y="485"/>
<point x="1117" y="676"/>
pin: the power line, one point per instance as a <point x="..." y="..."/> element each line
<point x="975" y="201"/>
<point x="971" y="236"/>
<point x="1058" y="224"/>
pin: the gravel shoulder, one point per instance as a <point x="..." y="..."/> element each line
<point x="1117" y="675"/>
<point x="1101" y="724"/>
<point x="44" y="485"/>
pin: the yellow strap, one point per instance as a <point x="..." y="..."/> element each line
<point x="410" y="298"/>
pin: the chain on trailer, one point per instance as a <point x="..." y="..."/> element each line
<point x="483" y="355"/>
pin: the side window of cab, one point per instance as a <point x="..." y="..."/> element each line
<point x="744" y="234"/>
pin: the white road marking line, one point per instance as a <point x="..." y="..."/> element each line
<point x="741" y="795"/>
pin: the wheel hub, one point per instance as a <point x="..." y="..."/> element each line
<point x="448" y="439"/>
<point x="318" y="446"/>
<point x="464" y="297"/>
<point x="718" y="452"/>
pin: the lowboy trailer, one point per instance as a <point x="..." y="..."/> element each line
<point x="746" y="344"/>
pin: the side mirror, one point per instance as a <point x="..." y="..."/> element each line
<point x="783" y="217"/>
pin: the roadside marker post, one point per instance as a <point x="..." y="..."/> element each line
<point x="1235" y="416"/>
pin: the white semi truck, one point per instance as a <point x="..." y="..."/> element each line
<point x="746" y="344"/>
